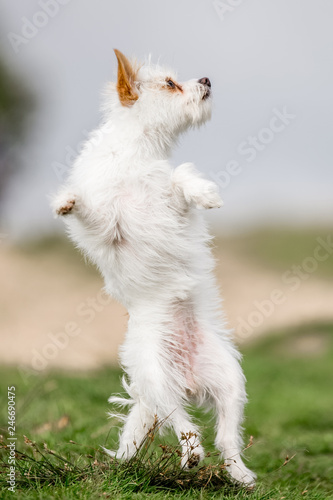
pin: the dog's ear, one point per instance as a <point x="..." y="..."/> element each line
<point x="125" y="81"/>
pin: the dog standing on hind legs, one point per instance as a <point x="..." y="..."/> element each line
<point x="137" y="219"/>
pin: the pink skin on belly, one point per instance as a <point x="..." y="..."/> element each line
<point x="184" y="346"/>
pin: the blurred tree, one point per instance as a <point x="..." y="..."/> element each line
<point x="15" y="104"/>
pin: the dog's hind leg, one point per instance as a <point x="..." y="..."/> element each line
<point x="137" y="424"/>
<point x="228" y="436"/>
<point x="141" y="421"/>
<point x="189" y="438"/>
<point x="225" y="383"/>
<point x="159" y="384"/>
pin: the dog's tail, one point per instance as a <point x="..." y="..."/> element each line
<point x="121" y="401"/>
<point x="111" y="453"/>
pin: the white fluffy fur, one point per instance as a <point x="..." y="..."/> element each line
<point x="137" y="219"/>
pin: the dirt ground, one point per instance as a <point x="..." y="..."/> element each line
<point x="53" y="313"/>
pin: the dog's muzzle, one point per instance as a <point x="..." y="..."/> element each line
<point x="207" y="86"/>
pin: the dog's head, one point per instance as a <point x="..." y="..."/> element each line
<point x="153" y="95"/>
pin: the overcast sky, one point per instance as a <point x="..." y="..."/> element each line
<point x="269" y="143"/>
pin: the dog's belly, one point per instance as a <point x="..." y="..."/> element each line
<point x="184" y="345"/>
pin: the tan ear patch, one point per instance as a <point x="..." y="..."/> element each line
<point x="126" y="80"/>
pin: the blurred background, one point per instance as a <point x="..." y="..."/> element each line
<point x="268" y="146"/>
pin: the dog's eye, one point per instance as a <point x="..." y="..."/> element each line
<point x="171" y="84"/>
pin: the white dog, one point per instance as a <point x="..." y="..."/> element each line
<point x="137" y="219"/>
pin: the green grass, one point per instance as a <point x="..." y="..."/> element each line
<point x="289" y="414"/>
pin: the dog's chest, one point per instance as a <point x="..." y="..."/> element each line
<point x="147" y="207"/>
<point x="142" y="237"/>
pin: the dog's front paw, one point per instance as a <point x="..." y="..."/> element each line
<point x="189" y="182"/>
<point x="208" y="197"/>
<point x="66" y="208"/>
<point x="64" y="204"/>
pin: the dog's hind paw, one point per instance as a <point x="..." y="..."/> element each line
<point x="240" y="473"/>
<point x="190" y="460"/>
<point x="193" y="461"/>
<point x="192" y="453"/>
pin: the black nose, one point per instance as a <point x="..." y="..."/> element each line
<point x="205" y="81"/>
